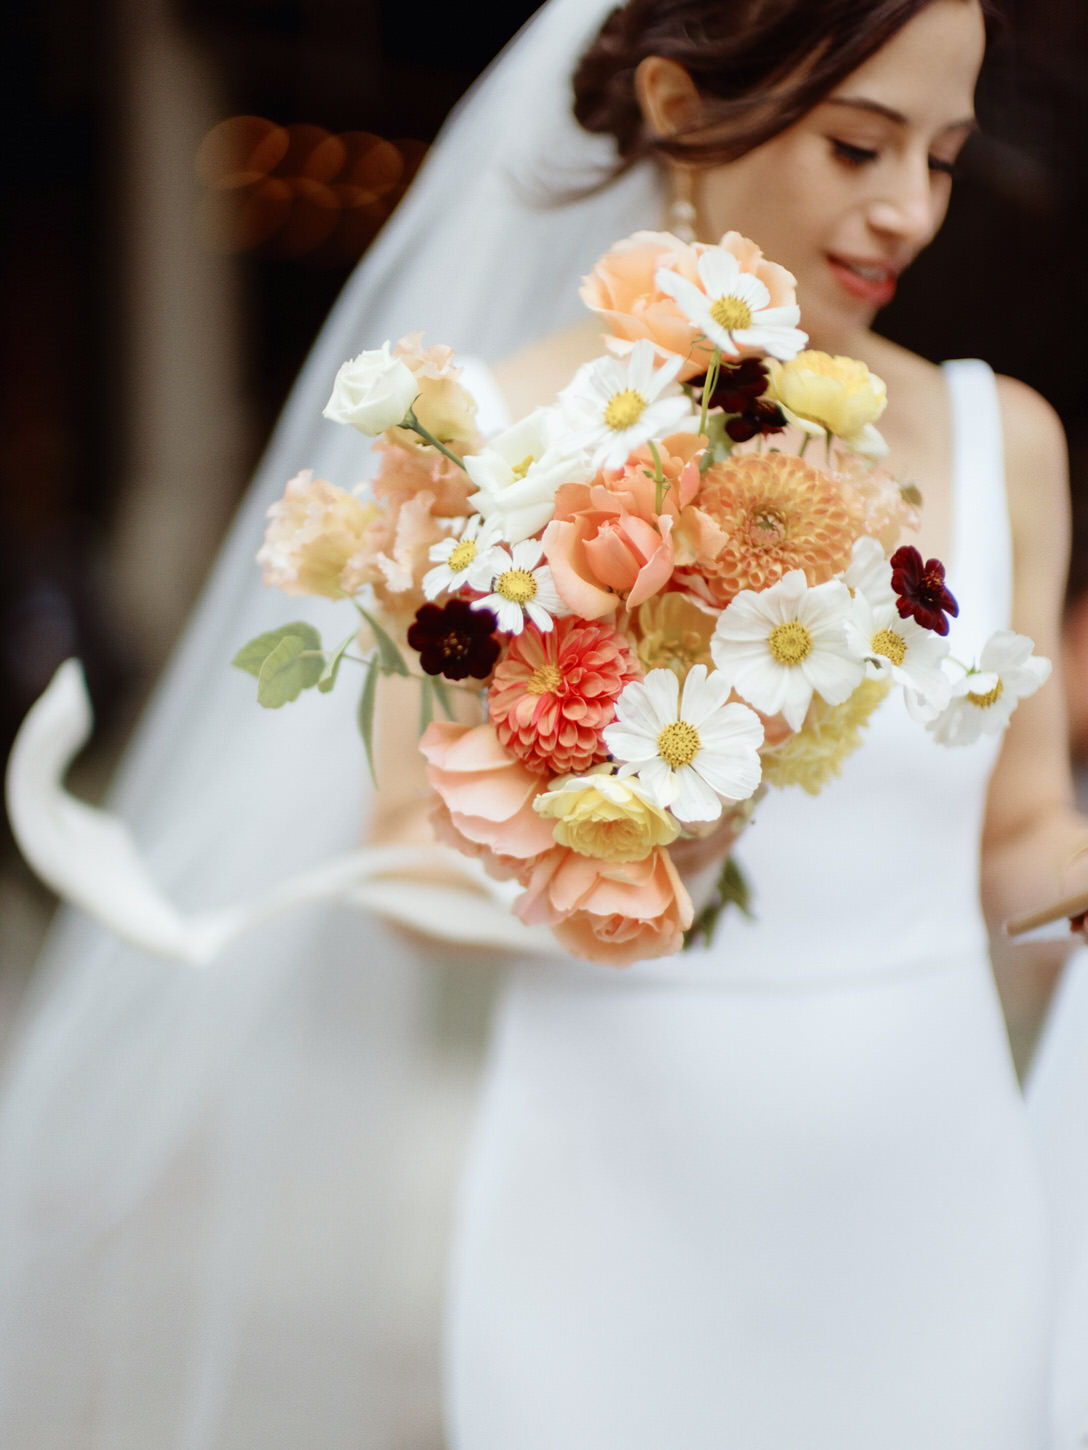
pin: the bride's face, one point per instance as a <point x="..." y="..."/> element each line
<point x="849" y="195"/>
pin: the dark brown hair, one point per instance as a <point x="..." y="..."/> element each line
<point x="759" y="66"/>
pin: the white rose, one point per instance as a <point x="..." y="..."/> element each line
<point x="519" y="471"/>
<point x="372" y="392"/>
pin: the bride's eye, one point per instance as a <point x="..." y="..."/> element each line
<point x="851" y="155"/>
<point x="944" y="166"/>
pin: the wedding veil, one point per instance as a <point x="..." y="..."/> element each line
<point x="204" y="1177"/>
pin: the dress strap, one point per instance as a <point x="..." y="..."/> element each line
<point x="981" y="575"/>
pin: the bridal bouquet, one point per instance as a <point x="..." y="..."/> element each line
<point x="675" y="587"/>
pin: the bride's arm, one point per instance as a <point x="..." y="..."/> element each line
<point x="1032" y="831"/>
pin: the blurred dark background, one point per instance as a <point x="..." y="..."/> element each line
<point x="186" y="186"/>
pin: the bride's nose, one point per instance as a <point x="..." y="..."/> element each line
<point x="908" y="209"/>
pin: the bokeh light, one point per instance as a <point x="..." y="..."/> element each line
<point x="299" y="191"/>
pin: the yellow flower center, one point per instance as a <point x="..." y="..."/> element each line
<point x="991" y="697"/>
<point x="519" y="470"/>
<point x="517" y="585"/>
<point x="790" y="643"/>
<point x="731" y="313"/>
<point x="891" y="645"/>
<point x="624" y="409"/>
<point x="543" y="680"/>
<point x="462" y="556"/>
<point x="678" y="744"/>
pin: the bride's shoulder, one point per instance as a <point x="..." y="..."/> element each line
<point x="535" y="374"/>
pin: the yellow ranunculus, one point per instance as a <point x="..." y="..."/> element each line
<point x="815" y="754"/>
<point x="609" y="819"/>
<point x="837" y="393"/>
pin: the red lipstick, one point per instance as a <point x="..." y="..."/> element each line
<point x="872" y="282"/>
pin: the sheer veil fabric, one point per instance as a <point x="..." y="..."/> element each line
<point x="203" y="1176"/>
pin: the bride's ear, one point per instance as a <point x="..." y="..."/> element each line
<point x="666" y="95"/>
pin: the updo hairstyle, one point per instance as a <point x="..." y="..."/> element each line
<point x="759" y="66"/>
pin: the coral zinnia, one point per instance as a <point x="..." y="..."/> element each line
<point x="776" y="513"/>
<point x="554" y="693"/>
<point x="921" y="589"/>
<point x="455" y="640"/>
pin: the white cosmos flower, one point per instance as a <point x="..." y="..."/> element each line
<point x="732" y="308"/>
<point x="689" y="754"/>
<point x="983" y="700"/>
<point x="517" y="474"/>
<point x="903" y="650"/>
<point x="467" y="557"/>
<point x="521" y="588"/>
<point x="869" y="573"/>
<point x="779" y="646"/>
<point x="614" y="405"/>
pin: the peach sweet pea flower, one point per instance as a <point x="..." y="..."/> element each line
<point x="622" y="288"/>
<point x="314" y="531"/>
<point x="608" y="544"/>
<point x="393" y="555"/>
<point x="406" y="467"/>
<point x="486" y="796"/>
<point x="442" y="405"/>
<point x="614" y="912"/>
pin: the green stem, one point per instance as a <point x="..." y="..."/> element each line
<point x="659" y="478"/>
<point x="411" y="421"/>
<point x="709" y="386"/>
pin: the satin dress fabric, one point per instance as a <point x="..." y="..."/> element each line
<point x="779" y="1192"/>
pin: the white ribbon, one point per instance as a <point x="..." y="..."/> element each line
<point x="88" y="857"/>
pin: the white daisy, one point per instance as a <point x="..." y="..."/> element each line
<point x="903" y="650"/>
<point x="517" y="474"/>
<point x="689" y="754"/>
<point x="467" y="557"/>
<point x="779" y="646"/>
<point x="521" y="588"/>
<point x="614" y="405"/>
<point x="983" y="700"/>
<point x="732" y="308"/>
<point x="869" y="573"/>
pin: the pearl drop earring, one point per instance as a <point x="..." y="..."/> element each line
<point x="681" y="215"/>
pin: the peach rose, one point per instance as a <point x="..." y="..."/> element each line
<point x="608" y="545"/>
<point x="314" y="531"/>
<point x="610" y="912"/>
<point x="486" y="796"/>
<point x="623" y="289"/>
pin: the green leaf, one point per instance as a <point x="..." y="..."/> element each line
<point x="251" y="656"/>
<point x="332" y="665"/>
<point x="426" y="703"/>
<point x="391" y="658"/>
<point x="287" y="671"/>
<point x="731" y="889"/>
<point x="365" y="714"/>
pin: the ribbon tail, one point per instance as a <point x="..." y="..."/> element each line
<point x="88" y="857"/>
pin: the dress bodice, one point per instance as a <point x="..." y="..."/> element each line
<point x="879" y="872"/>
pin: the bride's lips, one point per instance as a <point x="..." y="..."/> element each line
<point x="872" y="282"/>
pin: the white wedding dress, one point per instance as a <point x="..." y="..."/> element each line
<point x="778" y="1193"/>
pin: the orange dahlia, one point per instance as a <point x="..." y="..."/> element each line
<point x="553" y="694"/>
<point x="776" y="513"/>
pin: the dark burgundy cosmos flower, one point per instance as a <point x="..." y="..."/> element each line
<point x="921" y="589"/>
<point x="739" y="385"/>
<point x="758" y="417"/>
<point x="455" y="640"/>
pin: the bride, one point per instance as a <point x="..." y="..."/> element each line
<point x="775" y="1192"/>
